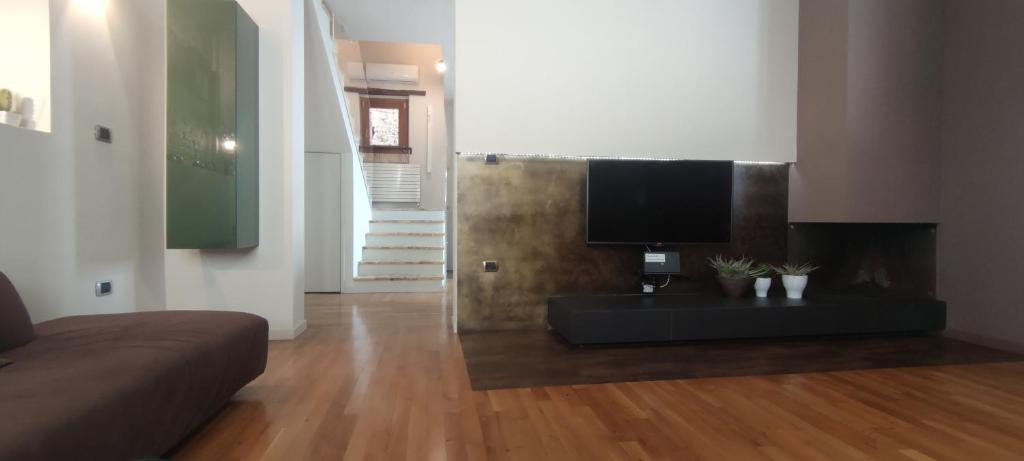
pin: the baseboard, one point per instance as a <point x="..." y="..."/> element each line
<point x="372" y="290"/>
<point x="287" y="335"/>
<point x="987" y="341"/>
<point x="383" y="287"/>
<point x="299" y="329"/>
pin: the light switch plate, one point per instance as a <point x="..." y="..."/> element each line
<point x="104" y="134"/>
<point x="104" y="287"/>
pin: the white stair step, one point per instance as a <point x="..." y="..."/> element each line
<point x="398" y="284"/>
<point x="406" y="225"/>
<point x="405" y="239"/>
<point x="403" y="253"/>
<point x="422" y="268"/>
<point x="408" y="215"/>
<point x="397" y="278"/>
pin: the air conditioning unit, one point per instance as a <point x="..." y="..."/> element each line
<point x="377" y="72"/>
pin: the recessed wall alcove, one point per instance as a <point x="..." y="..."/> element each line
<point x="25" y="64"/>
<point x="867" y="259"/>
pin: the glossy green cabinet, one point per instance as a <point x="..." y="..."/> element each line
<point x="212" y="126"/>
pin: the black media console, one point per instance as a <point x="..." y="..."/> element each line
<point x="598" y="319"/>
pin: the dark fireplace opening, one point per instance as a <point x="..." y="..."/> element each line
<point x="866" y="259"/>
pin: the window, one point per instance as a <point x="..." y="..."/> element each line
<point x="384" y="124"/>
<point x="384" y="127"/>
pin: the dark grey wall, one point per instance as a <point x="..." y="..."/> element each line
<point x="868" y="111"/>
<point x="981" y="236"/>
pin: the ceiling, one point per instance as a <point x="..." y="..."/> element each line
<point x="415" y="21"/>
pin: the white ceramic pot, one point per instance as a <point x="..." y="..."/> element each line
<point x="761" y="286"/>
<point x="10" y="118"/>
<point x="27" y="109"/>
<point x="795" y="285"/>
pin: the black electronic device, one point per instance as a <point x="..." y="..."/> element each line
<point x="657" y="202"/>
<point x="661" y="263"/>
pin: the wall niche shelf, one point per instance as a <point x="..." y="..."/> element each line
<point x="25" y="71"/>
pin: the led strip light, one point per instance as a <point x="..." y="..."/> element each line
<point x="597" y="157"/>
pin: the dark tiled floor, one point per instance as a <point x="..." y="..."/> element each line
<point x="499" y="360"/>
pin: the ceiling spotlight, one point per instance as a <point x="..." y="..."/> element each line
<point x="441" y="66"/>
<point x="229" y="144"/>
<point x="95" y="7"/>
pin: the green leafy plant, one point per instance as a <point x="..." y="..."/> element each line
<point x="794" y="269"/>
<point x="6" y="100"/>
<point x="732" y="268"/>
<point x="761" y="271"/>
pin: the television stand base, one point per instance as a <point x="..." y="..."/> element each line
<point x="603" y="319"/>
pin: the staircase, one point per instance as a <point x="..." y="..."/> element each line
<point x="404" y="253"/>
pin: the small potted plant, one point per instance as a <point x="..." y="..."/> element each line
<point x="6" y="100"/>
<point x="734" y="275"/>
<point x="763" y="280"/>
<point x="7" y="114"/>
<point x="794" y="278"/>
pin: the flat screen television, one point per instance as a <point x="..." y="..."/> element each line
<point x="653" y="202"/>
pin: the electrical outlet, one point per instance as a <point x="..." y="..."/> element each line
<point x="104" y="287"/>
<point x="104" y="134"/>
<point x="490" y="266"/>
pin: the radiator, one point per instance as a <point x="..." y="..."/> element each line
<point x="393" y="182"/>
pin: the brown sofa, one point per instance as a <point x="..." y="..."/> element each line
<point x="119" y="386"/>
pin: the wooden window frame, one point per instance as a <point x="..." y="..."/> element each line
<point x="385" y="91"/>
<point x="402" y="104"/>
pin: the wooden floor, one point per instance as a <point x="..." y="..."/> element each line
<point x="508" y="359"/>
<point x="381" y="377"/>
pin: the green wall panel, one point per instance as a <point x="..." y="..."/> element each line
<point x="212" y="100"/>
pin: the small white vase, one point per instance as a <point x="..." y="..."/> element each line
<point x="761" y="286"/>
<point x="795" y="285"/>
<point x="27" y="108"/>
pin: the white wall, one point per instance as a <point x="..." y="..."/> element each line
<point x="356" y="203"/>
<point x="323" y="222"/>
<point x="25" y="47"/>
<point x="348" y="51"/>
<point x="430" y="132"/>
<point x="324" y="147"/>
<point x="74" y="211"/>
<point x="340" y="186"/>
<point x="269" y="279"/>
<point x="324" y="144"/>
<point x="151" y="180"/>
<point x="668" y="78"/>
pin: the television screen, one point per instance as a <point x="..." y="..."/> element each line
<point x="659" y="202"/>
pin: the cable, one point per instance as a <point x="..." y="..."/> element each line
<point x="668" y="279"/>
